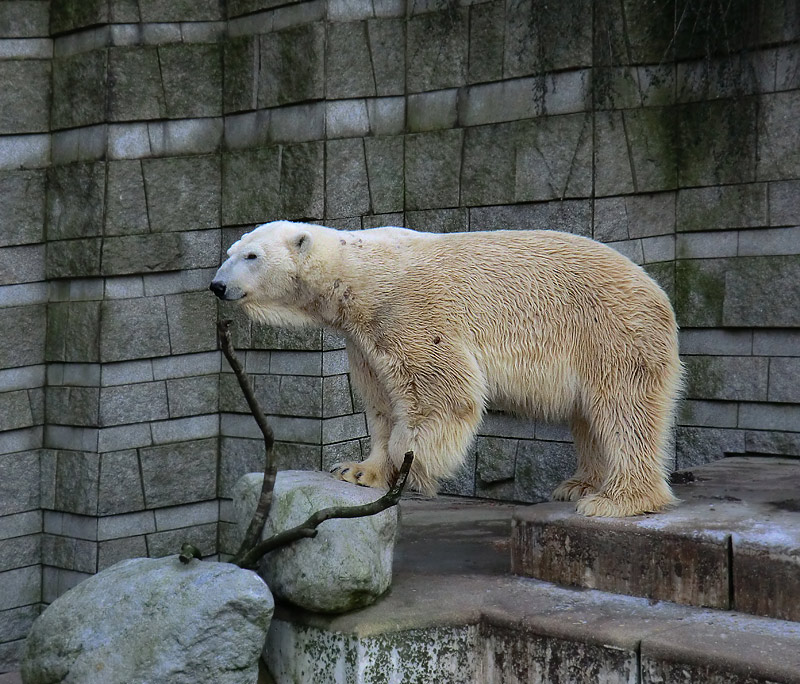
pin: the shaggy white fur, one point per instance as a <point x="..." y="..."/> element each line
<point x="547" y="324"/>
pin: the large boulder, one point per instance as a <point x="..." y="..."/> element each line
<point x="153" y="620"/>
<point x="348" y="565"/>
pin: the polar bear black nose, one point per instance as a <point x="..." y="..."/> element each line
<point x="217" y="288"/>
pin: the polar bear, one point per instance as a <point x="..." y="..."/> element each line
<point x="543" y="323"/>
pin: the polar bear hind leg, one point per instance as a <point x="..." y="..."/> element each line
<point x="589" y="476"/>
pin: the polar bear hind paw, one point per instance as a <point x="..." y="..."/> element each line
<point x="572" y="490"/>
<point x="362" y="474"/>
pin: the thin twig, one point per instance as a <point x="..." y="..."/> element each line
<point x="309" y="528"/>
<point x="253" y="533"/>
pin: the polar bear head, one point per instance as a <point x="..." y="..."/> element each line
<point x="266" y="269"/>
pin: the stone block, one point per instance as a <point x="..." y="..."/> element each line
<point x="336" y="397"/>
<point x="183" y="136"/>
<point x="72" y="405"/>
<point x="300" y="396"/>
<point x="501" y="101"/>
<point x="134" y="403"/>
<point x="148" y="317"/>
<point x="24" y="329"/>
<point x="496" y="460"/>
<point x="776" y="342"/>
<point x="384" y="163"/>
<point x="432" y="111"/>
<point x="125" y="525"/>
<point x="727" y="156"/>
<point x="25" y="20"/>
<point x="25" y="109"/>
<point x="769" y="417"/>
<point x="21" y="587"/>
<point x="432" y="166"/>
<point x="203" y="537"/>
<point x="237" y="458"/>
<point x="437" y="50"/>
<point x="21" y="264"/>
<point x="15" y="410"/>
<point x="79" y="89"/>
<point x="289" y="456"/>
<point x="192" y="78"/>
<point x="652" y="138"/>
<point x="184" y="472"/>
<point x="717" y="342"/>
<point x="188" y="515"/>
<point x="342" y="451"/>
<point x="240" y="63"/>
<point x="192" y="322"/>
<point x="179" y="429"/>
<point x="346" y="185"/>
<point x="73" y="258"/>
<point x="16" y="622"/>
<point x="126" y="202"/>
<point x="700" y="290"/>
<point x="298" y="123"/>
<point x="335" y="362"/>
<point x="292" y="65"/>
<point x="348" y="61"/>
<point x="769" y="241"/>
<point x="20" y="552"/>
<point x="69" y="553"/>
<point x="749" y="283"/>
<point x="486" y="33"/>
<point x="22" y="207"/>
<point x="489" y="164"/>
<point x="438" y="220"/>
<point x="160" y="252"/>
<point x="295" y="363"/>
<point x="696" y="446"/>
<point x="193" y="396"/>
<point x="67" y="15"/>
<point x="540" y="467"/>
<point x="778" y="157"/>
<point x="541" y="36"/>
<point x="613" y="172"/>
<point x="784" y="203"/>
<point x="344" y="428"/>
<point x="115" y="550"/>
<point x="75" y="198"/>
<point x="722" y="207"/>
<point x="772" y="442"/>
<point x="733" y="378"/>
<point x="183" y="193"/>
<point x="387" y="115"/>
<point x="120" y="485"/>
<point x="634" y="216"/>
<point x="387" y="45"/>
<point x="302" y="180"/>
<point x="571" y="216"/>
<point x="251" y="186"/>
<point x="642" y="564"/>
<point x="708" y="413"/>
<point x="77" y="476"/>
<point x="179" y="10"/>
<point x="553" y="158"/>
<point x="83" y="332"/>
<point x="232" y="400"/>
<point x="135" y="89"/>
<point x="21" y="524"/>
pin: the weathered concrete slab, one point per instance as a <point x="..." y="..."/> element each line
<point x="454" y="614"/>
<point x="733" y="542"/>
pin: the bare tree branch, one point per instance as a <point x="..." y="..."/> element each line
<point x="309" y="528"/>
<point x="253" y="533"/>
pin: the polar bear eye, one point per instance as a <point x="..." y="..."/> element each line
<point x="251" y="256"/>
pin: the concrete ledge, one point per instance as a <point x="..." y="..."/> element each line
<point x="455" y="615"/>
<point x="733" y="542"/>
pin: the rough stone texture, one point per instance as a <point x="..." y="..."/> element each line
<point x="153" y="620"/>
<point x="348" y="565"/>
<point x="733" y="543"/>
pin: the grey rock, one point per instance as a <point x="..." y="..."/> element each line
<point x="486" y="33"/>
<point x="179" y="473"/>
<point x="126" y="204"/>
<point x="120" y="486"/>
<point x="76" y="483"/>
<point x="147" y="315"/>
<point x="75" y="201"/>
<point x="22" y="207"/>
<point x="251" y="186"/>
<point x="348" y="565"/>
<point x="437" y="50"/>
<point x="239" y="84"/>
<point x="135" y="88"/>
<point x="349" y="69"/>
<point x="540" y="467"/>
<point x="192" y="77"/>
<point x="292" y="65"/>
<point x="303" y="180"/>
<point x="387" y="41"/>
<point x="79" y="89"/>
<point x="432" y="169"/>
<point x="25" y="107"/>
<point x="153" y="620"/>
<point x="347" y="188"/>
<point x="385" y="173"/>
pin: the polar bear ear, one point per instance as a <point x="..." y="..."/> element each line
<point x="302" y="242"/>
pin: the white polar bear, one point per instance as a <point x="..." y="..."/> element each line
<point x="546" y="324"/>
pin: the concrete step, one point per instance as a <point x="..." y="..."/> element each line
<point x="455" y="615"/>
<point x="733" y="543"/>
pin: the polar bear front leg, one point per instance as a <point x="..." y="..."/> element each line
<point x="376" y="470"/>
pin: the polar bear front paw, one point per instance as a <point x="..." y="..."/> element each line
<point x="363" y="474"/>
<point x="572" y="490"/>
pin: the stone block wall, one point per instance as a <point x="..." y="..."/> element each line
<point x="140" y="138"/>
